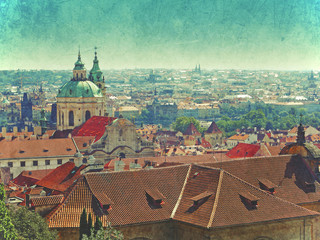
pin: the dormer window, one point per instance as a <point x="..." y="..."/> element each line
<point x="249" y="200"/>
<point x="267" y="185"/>
<point x="201" y="198"/>
<point x="155" y="197"/>
<point x="104" y="201"/>
<point x="310" y="186"/>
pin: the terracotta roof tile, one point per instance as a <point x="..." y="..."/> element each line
<point x="95" y="126"/>
<point x="243" y="150"/>
<point x="30" y="178"/>
<point x="287" y="172"/>
<point x="46" y="200"/>
<point x="37" y="148"/>
<point x="62" y="177"/>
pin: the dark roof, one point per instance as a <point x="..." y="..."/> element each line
<point x="213" y="128"/>
<point x="192" y="130"/>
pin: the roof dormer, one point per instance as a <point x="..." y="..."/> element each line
<point x="155" y="197"/>
<point x="199" y="199"/>
<point x="267" y="185"/>
<point x="249" y="200"/>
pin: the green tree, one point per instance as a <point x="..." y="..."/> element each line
<point x="181" y="124"/>
<point x="30" y="225"/>
<point x="83" y="224"/>
<point x="7" y="229"/>
<point x="89" y="224"/>
<point x="97" y="225"/>
<point x="108" y="234"/>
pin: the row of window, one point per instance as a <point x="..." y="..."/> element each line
<point x="47" y="162"/>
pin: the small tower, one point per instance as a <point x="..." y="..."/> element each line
<point x="79" y="71"/>
<point x="43" y="121"/>
<point x="301" y="134"/>
<point x="96" y="76"/>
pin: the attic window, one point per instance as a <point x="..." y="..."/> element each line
<point x="201" y="198"/>
<point x="267" y="185"/>
<point x="196" y="174"/>
<point x="21" y="151"/>
<point x="250" y="201"/>
<point x="45" y="150"/>
<point x="84" y="144"/>
<point x="69" y="149"/>
<point x="104" y="201"/>
<point x="155" y="197"/>
<point x="70" y="91"/>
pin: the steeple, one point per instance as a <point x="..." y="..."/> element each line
<point x="79" y="71"/>
<point x="95" y="72"/>
<point x="301" y="135"/>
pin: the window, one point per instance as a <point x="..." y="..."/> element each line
<point x="84" y="160"/>
<point x="35" y="163"/>
<point x="88" y="115"/>
<point x="22" y="164"/>
<point x="47" y="162"/>
<point x="11" y="176"/>
<point x="59" y="161"/>
<point x="71" y="160"/>
<point x="10" y="164"/>
<point x="71" y="118"/>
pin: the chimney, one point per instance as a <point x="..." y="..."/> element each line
<point x="15" y="130"/>
<point x="8" y="138"/>
<point x="45" y="136"/>
<point x="33" y="137"/>
<point x="21" y="137"/>
<point x="4" y="131"/>
<point x="26" y="129"/>
<point x="37" y="131"/>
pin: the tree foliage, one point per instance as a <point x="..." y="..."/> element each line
<point x="30" y="225"/>
<point x="7" y="229"/>
<point x="84" y="229"/>
<point x="181" y="124"/>
<point x="108" y="234"/>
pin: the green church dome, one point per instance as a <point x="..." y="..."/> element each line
<point x="79" y="89"/>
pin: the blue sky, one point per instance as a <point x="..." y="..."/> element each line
<point x="218" y="34"/>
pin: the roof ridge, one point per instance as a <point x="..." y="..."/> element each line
<point x="181" y="193"/>
<point x="270" y="195"/>
<point x="216" y="200"/>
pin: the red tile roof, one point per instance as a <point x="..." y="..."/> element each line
<point x="202" y="196"/>
<point x="213" y="128"/>
<point x="243" y="150"/>
<point x="37" y="148"/>
<point x="30" y="178"/>
<point x="61" y="178"/>
<point x="46" y="200"/>
<point x="95" y="126"/>
<point x="288" y="172"/>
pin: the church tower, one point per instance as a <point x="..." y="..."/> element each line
<point x="78" y="100"/>
<point x="96" y="76"/>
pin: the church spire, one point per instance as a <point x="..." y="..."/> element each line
<point x="301" y="134"/>
<point x="95" y="72"/>
<point x="79" y="71"/>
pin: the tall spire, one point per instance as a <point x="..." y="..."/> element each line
<point x="95" y="72"/>
<point x="301" y="134"/>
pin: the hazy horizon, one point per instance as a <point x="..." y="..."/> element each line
<point x="149" y="34"/>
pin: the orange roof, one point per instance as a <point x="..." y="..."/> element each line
<point x="213" y="128"/>
<point x="36" y="148"/>
<point x="240" y="137"/>
<point x="29" y="178"/>
<point x="192" y="130"/>
<point x="62" y="177"/>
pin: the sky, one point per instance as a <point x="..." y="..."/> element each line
<point x="218" y="34"/>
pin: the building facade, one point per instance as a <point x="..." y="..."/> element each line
<point x="79" y="99"/>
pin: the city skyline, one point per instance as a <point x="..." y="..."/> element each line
<point x="257" y="35"/>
